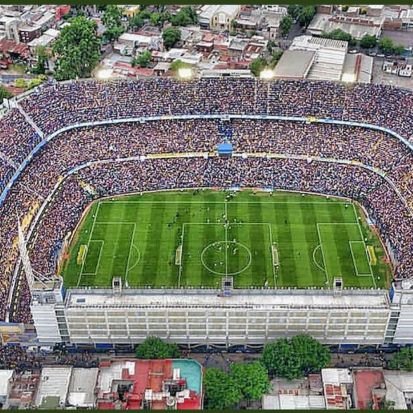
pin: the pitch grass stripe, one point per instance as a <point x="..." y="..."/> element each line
<point x="338" y="257"/>
<point x="132" y="268"/>
<point x="256" y="237"/>
<point x="315" y="276"/>
<point x="211" y="233"/>
<point x="235" y="233"/>
<point x="153" y="249"/>
<point x="117" y="266"/>
<point x="293" y="235"/>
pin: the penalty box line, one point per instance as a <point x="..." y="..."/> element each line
<point x="351" y="250"/>
<point x="90" y="240"/>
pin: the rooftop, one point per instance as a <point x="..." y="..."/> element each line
<point x="5" y="376"/>
<point x="154" y="384"/>
<point x="369" y="388"/>
<point x="82" y="387"/>
<point x="53" y="387"/>
<point x="253" y="298"/>
<point x="294" y="64"/>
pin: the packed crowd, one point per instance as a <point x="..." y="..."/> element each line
<point x="56" y="106"/>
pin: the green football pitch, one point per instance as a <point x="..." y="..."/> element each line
<point x="194" y="238"/>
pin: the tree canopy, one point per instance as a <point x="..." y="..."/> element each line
<point x="251" y="379"/>
<point x="143" y="59"/>
<point x="221" y="390"/>
<point x="258" y="65"/>
<point x="185" y="17"/>
<point x="368" y="41"/>
<point x="155" y="348"/>
<point x="296" y="357"/>
<point x="389" y="47"/>
<point x="171" y="36"/>
<point x="403" y="360"/>
<point x="179" y="64"/>
<point x="4" y="93"/>
<point x="285" y="25"/>
<point x="339" y="34"/>
<point x="77" y="49"/>
<point x="303" y="14"/>
<point x="112" y="19"/>
<point x="41" y="54"/>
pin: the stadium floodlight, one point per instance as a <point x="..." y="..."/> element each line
<point x="349" y="77"/>
<point x="267" y="74"/>
<point x="104" y="74"/>
<point x="185" y="73"/>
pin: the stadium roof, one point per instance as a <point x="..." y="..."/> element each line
<point x="294" y="64"/>
<point x="240" y="298"/>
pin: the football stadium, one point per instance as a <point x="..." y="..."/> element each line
<point x="211" y="212"/>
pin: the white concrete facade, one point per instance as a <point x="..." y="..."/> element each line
<point x="248" y="317"/>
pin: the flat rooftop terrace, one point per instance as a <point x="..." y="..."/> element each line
<point x="254" y="299"/>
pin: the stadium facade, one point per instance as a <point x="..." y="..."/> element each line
<point x="192" y="317"/>
<point x="206" y="317"/>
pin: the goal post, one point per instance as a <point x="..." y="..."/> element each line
<point x="81" y="255"/>
<point x="275" y="260"/>
<point x="178" y="256"/>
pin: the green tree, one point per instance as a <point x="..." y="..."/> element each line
<point x="77" y="49"/>
<point x="170" y="37"/>
<point x="386" y="45"/>
<point x="398" y="49"/>
<point x="257" y="66"/>
<point x="368" y="41"/>
<point x="285" y="25"/>
<point x="155" y="348"/>
<point x="136" y="21"/>
<point x="275" y="57"/>
<point x="20" y="83"/>
<point x="179" y="64"/>
<point x="306" y="15"/>
<point x="251" y="379"/>
<point x="185" y="17"/>
<point x="112" y="19"/>
<point x="41" y="54"/>
<point x="155" y="19"/>
<point x="270" y="45"/>
<point x="294" y="10"/>
<point x="339" y="34"/>
<point x="402" y="360"/>
<point x="296" y="357"/>
<point x="221" y="390"/>
<point x="143" y="59"/>
<point x="4" y="94"/>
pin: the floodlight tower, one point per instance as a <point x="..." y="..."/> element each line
<point x="47" y="299"/>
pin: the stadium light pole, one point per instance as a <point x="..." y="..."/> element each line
<point x="104" y="74"/>
<point x="267" y="74"/>
<point x="185" y="73"/>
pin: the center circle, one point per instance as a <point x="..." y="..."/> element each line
<point x="216" y="257"/>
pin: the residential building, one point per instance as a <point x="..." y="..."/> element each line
<point x="399" y="388"/>
<point x="338" y="384"/>
<point x="357" y="25"/>
<point x="53" y="387"/>
<point x="5" y="380"/>
<point x="369" y="390"/>
<point x="150" y="384"/>
<point x="22" y="392"/>
<point x="81" y="393"/>
<point x="218" y="17"/>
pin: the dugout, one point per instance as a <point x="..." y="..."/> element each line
<point x="225" y="149"/>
